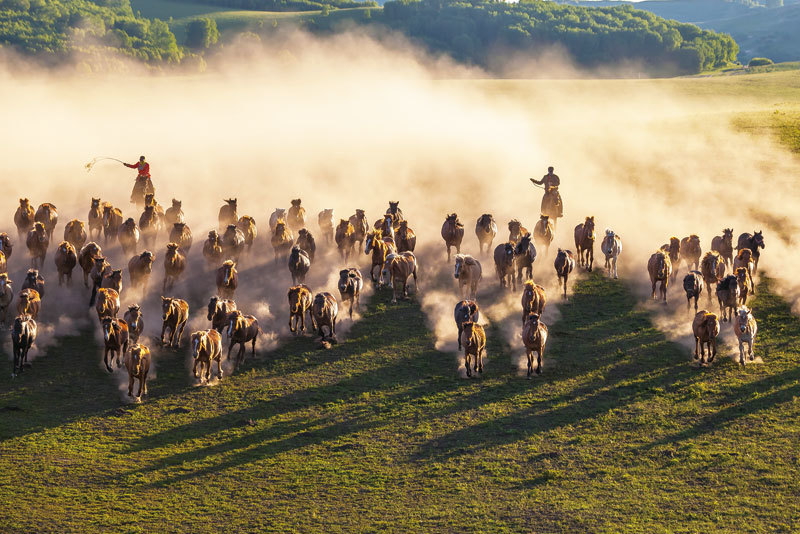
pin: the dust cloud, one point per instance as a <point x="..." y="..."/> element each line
<point x="346" y="122"/>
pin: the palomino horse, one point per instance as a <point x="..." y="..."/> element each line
<point x="86" y="257"/>
<point x="33" y="280"/>
<point x="465" y="311"/>
<point x="705" y="328"/>
<point x="47" y="214"/>
<point x="564" y="264"/>
<point x="75" y="233"/>
<point x="299" y="304"/>
<point x="299" y="264"/>
<point x="534" y="337"/>
<point x="584" y="243"/>
<point x="515" y="231"/>
<point x="115" y="337"/>
<point x="724" y="245"/>
<point x="690" y="252"/>
<point x="360" y="227"/>
<point x="486" y="230"/>
<point x="405" y="238"/>
<point x="23" y="336"/>
<point x="28" y="302"/>
<point x="713" y="269"/>
<point x="128" y="236"/>
<point x="278" y="215"/>
<point x="754" y="242"/>
<point x="206" y="348"/>
<point x="345" y="238"/>
<point x="95" y="219"/>
<point x="135" y="320"/>
<point x="174" y="265"/>
<point x="112" y="218"/>
<point x="468" y="273"/>
<point x="227" y="213"/>
<point x="473" y="339"/>
<point x="296" y="217"/>
<point x="247" y="225"/>
<point x="611" y="247"/>
<point x="138" y="365"/>
<point x="174" y="314"/>
<point x="659" y="268"/>
<point x="233" y="243"/>
<point x="37" y="242"/>
<point x="6" y="297"/>
<point x="212" y="248"/>
<point x="282" y="241"/>
<point x="325" y="221"/>
<point x="66" y="260"/>
<point x="745" y="327"/>
<point x="504" y="265"/>
<point x="452" y="233"/>
<point x="728" y="297"/>
<point x="182" y="235"/>
<point x="693" y="285"/>
<point x="227" y="279"/>
<point x="107" y="303"/>
<point x="324" y="310"/>
<point x="24" y="218"/>
<point x="524" y="256"/>
<point x="543" y="233"/>
<point x="219" y="311"/>
<point x="533" y="299"/>
<point x="745" y="285"/>
<point x="380" y="249"/>
<point x="139" y="269"/>
<point x="242" y="329"/>
<point x="400" y="267"/>
<point x="350" y="286"/>
<point x="306" y="242"/>
<point x="174" y="213"/>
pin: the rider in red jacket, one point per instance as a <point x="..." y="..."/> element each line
<point x="143" y="185"/>
<point x="142" y="166"/>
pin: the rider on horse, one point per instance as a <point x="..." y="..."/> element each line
<point x="551" y="197"/>
<point x="143" y="185"/>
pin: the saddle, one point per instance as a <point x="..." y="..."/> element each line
<point x="552" y="199"/>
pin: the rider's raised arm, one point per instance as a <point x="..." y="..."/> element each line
<point x="537" y="182"/>
<point x="130" y="165"/>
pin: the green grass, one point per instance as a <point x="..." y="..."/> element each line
<point x="380" y="433"/>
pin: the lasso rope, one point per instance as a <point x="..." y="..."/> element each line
<point x="91" y="164"/>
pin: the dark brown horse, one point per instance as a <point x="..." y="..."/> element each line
<point x="242" y="329"/>
<point x="138" y="365"/>
<point x="219" y="311"/>
<point x="534" y="337"/>
<point x="37" y="242"/>
<point x="112" y="218"/>
<point x="465" y="311"/>
<point x="299" y="305"/>
<point x="212" y="248"/>
<point x="724" y="245"/>
<point x="174" y="314"/>
<point x="47" y="214"/>
<point x="86" y="257"/>
<point x="486" y="230"/>
<point x="182" y="235"/>
<point x="705" y="328"/>
<point x="115" y="337"/>
<point x="564" y="264"/>
<point x="584" y="243"/>
<point x="405" y="238"/>
<point x="24" y="218"/>
<point x="533" y="299"/>
<point x="473" y="339"/>
<point x="660" y="269"/>
<point x="693" y="286"/>
<point x="504" y="264"/>
<point x="306" y="242"/>
<point x="227" y="279"/>
<point x="95" y="219"/>
<point x="135" y="321"/>
<point x="174" y="265"/>
<point x="345" y="238"/>
<point x="139" y="269"/>
<point x="227" y="213"/>
<point x="350" y="285"/>
<point x="452" y="233"/>
<point x="75" y="233"/>
<point x="324" y="311"/>
<point x="754" y="242"/>
<point x="66" y="260"/>
<point x="360" y="227"/>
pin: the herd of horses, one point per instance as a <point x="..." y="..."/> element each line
<point x="389" y="243"/>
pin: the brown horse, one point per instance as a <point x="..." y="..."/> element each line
<point x="386" y="225"/>
<point x="28" y="302"/>
<point x="24" y="218"/>
<point x="360" y="227"/>
<point x="754" y="242"/>
<point x="660" y="269"/>
<point x="744" y="258"/>
<point x="227" y="279"/>
<point x="107" y="303"/>
<point x="468" y="272"/>
<point x="66" y="260"/>
<point x="174" y="314"/>
<point x="3" y="263"/>
<point x="149" y="225"/>
<point x="584" y="243"/>
<point x="174" y="265"/>
<point x="23" y="336"/>
<point x="516" y="231"/>
<point x="174" y="213"/>
<point x="306" y="242"/>
<point x="350" y="286"/>
<point x="534" y="337"/>
<point x="465" y="311"/>
<point x="139" y="269"/>
<point x="728" y="297"/>
<point x="95" y="219"/>
<point x="380" y="249"/>
<point x="705" y="328"/>
<point x="324" y="311"/>
<point x="724" y="245"/>
<point x="691" y="252"/>
<point x="486" y="230"/>
<point x="299" y="264"/>
<point x="400" y="267"/>
<point x="232" y="243"/>
<point x="212" y="248"/>
<point x="5" y="245"/>
<point x="100" y="268"/>
<point x="128" y="236"/>
<point x="544" y="233"/>
<point x="564" y="264"/>
<point x="150" y="200"/>
<point x="227" y="213"/>
<point x="47" y="214"/>
<point x="75" y="233"/>
<point x="112" y="218"/>
<point x="6" y="297"/>
<point x="182" y="235"/>
<point x="206" y="348"/>
<point x="282" y="241"/>
<point x="325" y="222"/>
<point x="345" y="238"/>
<point x="405" y="238"/>
<point x="673" y="249"/>
<point x="504" y="264"/>
<point x="396" y="212"/>
<point x="452" y="233"/>
<point x="86" y="257"/>
<point x="296" y="216"/>
<point x="219" y="311"/>
<point x="533" y="299"/>
<point x="37" y="243"/>
<point x="247" y="225"/>
<point x="135" y="321"/>
<point x="138" y="365"/>
<point x="299" y="304"/>
<point x="745" y="285"/>
<point x="33" y="280"/>
<point x="693" y="285"/>
<point x="473" y="339"/>
<point x="524" y="256"/>
<point x="242" y="329"/>
<point x="713" y="269"/>
<point x="113" y="280"/>
<point x="115" y="337"/>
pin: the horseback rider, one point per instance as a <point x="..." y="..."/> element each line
<point x="143" y="185"/>
<point x="550" y="181"/>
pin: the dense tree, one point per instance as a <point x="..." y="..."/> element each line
<point x="201" y="33"/>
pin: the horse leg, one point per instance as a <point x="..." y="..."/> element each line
<point x="741" y="352"/>
<point x="696" y="347"/>
<point x="180" y="334"/>
<point x="466" y="362"/>
<point x="591" y="257"/>
<point x="530" y="362"/>
<point x="253" y="348"/>
<point x="713" y="346"/>
<point x="130" y="385"/>
<point x="105" y="360"/>
<point x="539" y="360"/>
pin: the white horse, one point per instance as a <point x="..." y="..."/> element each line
<point x="612" y="248"/>
<point x="745" y="328"/>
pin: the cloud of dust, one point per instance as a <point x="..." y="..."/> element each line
<point x="345" y="123"/>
